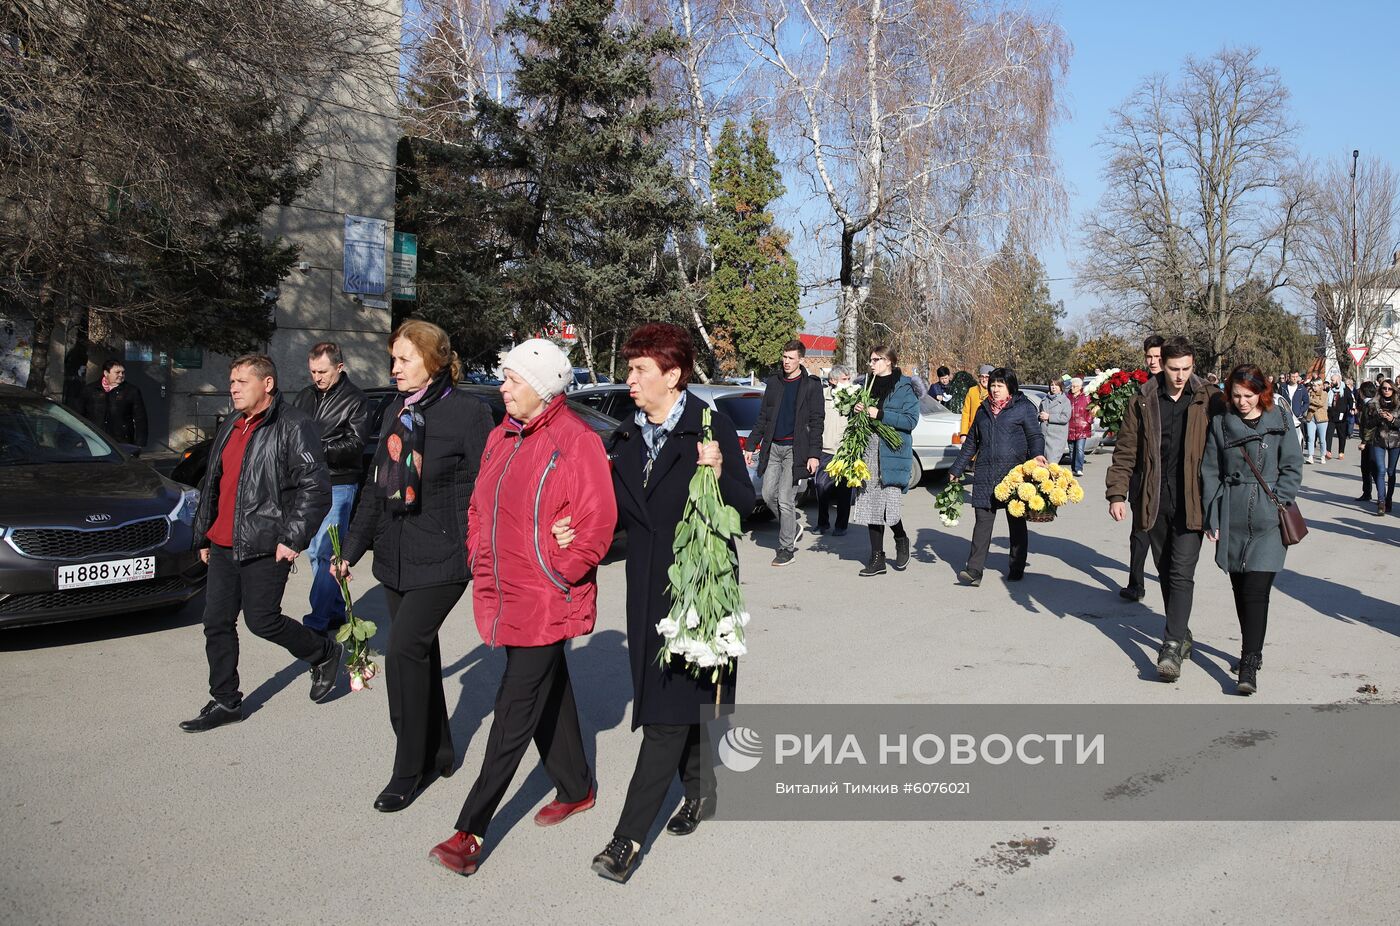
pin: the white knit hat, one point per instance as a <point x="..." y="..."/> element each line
<point x="541" y="364"/>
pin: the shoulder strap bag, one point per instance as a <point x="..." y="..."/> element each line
<point x="1291" y="526"/>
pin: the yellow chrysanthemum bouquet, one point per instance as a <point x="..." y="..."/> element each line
<point x="847" y="466"/>
<point x="1036" y="492"/>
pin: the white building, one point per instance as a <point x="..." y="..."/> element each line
<point x="1383" y="348"/>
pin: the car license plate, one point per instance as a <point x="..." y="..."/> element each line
<point x="82" y="575"/>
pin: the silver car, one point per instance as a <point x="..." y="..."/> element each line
<point x="740" y="404"/>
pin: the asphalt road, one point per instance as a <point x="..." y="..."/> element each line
<point x="112" y="815"/>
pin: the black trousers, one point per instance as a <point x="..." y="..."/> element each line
<point x="982" y="540"/>
<point x="255" y="587"/>
<point x="1176" y="550"/>
<point x="841" y="496"/>
<point x="1368" y="473"/>
<point x="1337" y="430"/>
<point x="667" y="749"/>
<point x="535" y="702"/>
<point x="1139" y="545"/>
<point x="1252" y="606"/>
<point x="413" y="677"/>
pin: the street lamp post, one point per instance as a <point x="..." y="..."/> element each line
<point x="1355" y="280"/>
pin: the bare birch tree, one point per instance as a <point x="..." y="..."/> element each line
<point x="1351" y="297"/>
<point x="924" y="125"/>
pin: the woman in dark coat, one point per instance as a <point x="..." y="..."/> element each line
<point x="1239" y="517"/>
<point x="654" y="456"/>
<point x="1005" y="433"/>
<point x="413" y="514"/>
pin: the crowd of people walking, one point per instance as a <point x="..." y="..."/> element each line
<point x="525" y="510"/>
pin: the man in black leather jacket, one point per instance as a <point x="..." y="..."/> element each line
<point x="115" y="405"/>
<point x="265" y="492"/>
<point x="342" y="414"/>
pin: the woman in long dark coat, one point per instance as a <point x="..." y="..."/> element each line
<point x="1005" y="433"/>
<point x="654" y="457"/>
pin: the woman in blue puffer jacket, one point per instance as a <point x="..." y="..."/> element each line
<point x="1005" y="433"/>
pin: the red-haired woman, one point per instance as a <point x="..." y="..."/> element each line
<point x="654" y="455"/>
<point x="413" y="514"/>
<point x="1240" y="518"/>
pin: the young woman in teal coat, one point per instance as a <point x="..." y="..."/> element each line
<point x="1239" y="516"/>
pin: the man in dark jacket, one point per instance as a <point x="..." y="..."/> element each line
<point x="264" y="494"/>
<point x="342" y="413"/>
<point x="1138" y="542"/>
<point x="788" y="438"/>
<point x="115" y="405"/>
<point x="1158" y="458"/>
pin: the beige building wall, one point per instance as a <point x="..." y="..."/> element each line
<point x="355" y="131"/>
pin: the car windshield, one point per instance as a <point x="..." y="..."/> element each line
<point x="928" y="406"/>
<point x="741" y="409"/>
<point x="34" y="432"/>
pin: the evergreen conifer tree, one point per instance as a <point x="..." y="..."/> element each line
<point x="752" y="296"/>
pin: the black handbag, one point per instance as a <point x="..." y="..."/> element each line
<point x="1291" y="526"/>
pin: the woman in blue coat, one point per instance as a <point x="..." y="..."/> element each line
<point x="880" y="502"/>
<point x="1239" y="516"/>
<point x="1005" y="433"/>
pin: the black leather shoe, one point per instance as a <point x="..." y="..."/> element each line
<point x="212" y="715"/>
<point x="397" y="794"/>
<point x="1250" y="664"/>
<point x="876" y="566"/>
<point x="1016" y="575"/>
<point x="1170" y="659"/>
<point x="325" y="673"/>
<point x="1132" y="593"/>
<point x="901" y="552"/>
<point x="617" y="861"/>
<point x="687" y="819"/>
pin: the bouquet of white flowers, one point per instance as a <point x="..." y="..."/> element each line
<point x="848" y="463"/>
<point x="705" y="626"/>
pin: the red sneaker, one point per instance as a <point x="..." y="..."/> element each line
<point x="558" y="811"/>
<point x="460" y="853"/>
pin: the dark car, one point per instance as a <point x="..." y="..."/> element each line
<point x="85" y="529"/>
<point x="190" y="470"/>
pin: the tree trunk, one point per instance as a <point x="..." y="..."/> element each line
<point x="44" y="318"/>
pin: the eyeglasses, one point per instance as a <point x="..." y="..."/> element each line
<point x="876" y="359"/>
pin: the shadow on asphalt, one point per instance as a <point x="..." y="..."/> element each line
<point x="97" y="629"/>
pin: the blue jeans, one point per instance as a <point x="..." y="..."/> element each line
<point x="1076" y="455"/>
<point x="1386" y="461"/>
<point x="327" y="604"/>
<point x="1315" y="436"/>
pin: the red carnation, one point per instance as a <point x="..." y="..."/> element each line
<point x="1105" y="389"/>
<point x="1140" y="376"/>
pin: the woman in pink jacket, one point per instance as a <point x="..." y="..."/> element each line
<point x="541" y="518"/>
<point x="1081" y="424"/>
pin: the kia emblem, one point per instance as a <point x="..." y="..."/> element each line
<point x="98" y="518"/>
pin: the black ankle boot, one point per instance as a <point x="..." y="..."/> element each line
<point x="901" y="552"/>
<point x="876" y="566"/>
<point x="1250" y="663"/>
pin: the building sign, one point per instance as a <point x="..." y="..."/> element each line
<point x="405" y="262"/>
<point x="364" y="255"/>
<point x="187" y="358"/>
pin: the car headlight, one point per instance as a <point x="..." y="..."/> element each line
<point x="184" y="509"/>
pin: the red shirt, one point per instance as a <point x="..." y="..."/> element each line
<point x="231" y="466"/>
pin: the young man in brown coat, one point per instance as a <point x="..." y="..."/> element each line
<point x="1157" y="461"/>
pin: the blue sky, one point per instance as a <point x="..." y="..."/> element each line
<point x="1338" y="60"/>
